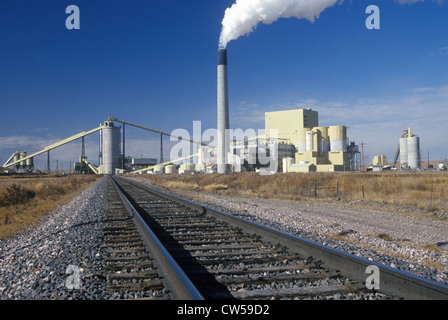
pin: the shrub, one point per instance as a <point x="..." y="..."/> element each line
<point x="17" y="197"/>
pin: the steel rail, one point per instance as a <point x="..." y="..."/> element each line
<point x="392" y="282"/>
<point x="175" y="280"/>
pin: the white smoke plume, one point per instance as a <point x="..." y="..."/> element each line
<point x="244" y="15"/>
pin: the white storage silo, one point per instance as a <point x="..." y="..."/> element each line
<point x="309" y="141"/>
<point x="30" y="163"/>
<point x="170" y="169"/>
<point x="414" y="152"/>
<point x="111" y="147"/>
<point x="23" y="154"/>
<point x="404" y="152"/>
<point x="159" y="169"/>
<point x="16" y="159"/>
<point x="16" y="156"/>
<point x="409" y="150"/>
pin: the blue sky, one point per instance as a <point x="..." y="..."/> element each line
<point x="154" y="63"/>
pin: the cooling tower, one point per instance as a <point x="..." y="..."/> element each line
<point x="223" y="112"/>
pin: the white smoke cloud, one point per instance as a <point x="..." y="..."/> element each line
<point x="244" y="15"/>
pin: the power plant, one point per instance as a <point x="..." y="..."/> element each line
<point x="293" y="141"/>
<point x="299" y="146"/>
<point x="322" y="149"/>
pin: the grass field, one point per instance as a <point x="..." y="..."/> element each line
<point x="26" y="199"/>
<point x="423" y="190"/>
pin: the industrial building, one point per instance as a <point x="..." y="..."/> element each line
<point x="260" y="153"/>
<point x="379" y="163"/>
<point x="379" y="160"/>
<point x="322" y="149"/>
<point x="301" y="145"/>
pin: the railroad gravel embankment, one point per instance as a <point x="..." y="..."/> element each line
<point x="61" y="257"/>
<point x="408" y="242"/>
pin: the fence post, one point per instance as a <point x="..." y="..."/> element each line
<point x="337" y="188"/>
<point x="315" y="189"/>
<point x="362" y="188"/>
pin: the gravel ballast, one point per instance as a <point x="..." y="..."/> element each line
<point x="60" y="258"/>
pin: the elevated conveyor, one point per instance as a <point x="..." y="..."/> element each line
<point x="53" y="146"/>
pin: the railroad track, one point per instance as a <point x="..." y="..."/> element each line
<point x="182" y="250"/>
<point x="129" y="266"/>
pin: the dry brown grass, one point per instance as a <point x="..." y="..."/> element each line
<point x="46" y="194"/>
<point x="424" y="190"/>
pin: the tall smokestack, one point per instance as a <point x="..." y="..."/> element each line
<point x="223" y="112"/>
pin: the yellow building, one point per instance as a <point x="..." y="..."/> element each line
<point x="290" y="123"/>
<point x="323" y="147"/>
<point x="379" y="160"/>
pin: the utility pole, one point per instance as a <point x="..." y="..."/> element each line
<point x="124" y="148"/>
<point x="161" y="149"/>
<point x="420" y="159"/>
<point x="48" y="161"/>
<point x="100" y="149"/>
<point x="83" y="149"/>
<point x="362" y="156"/>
